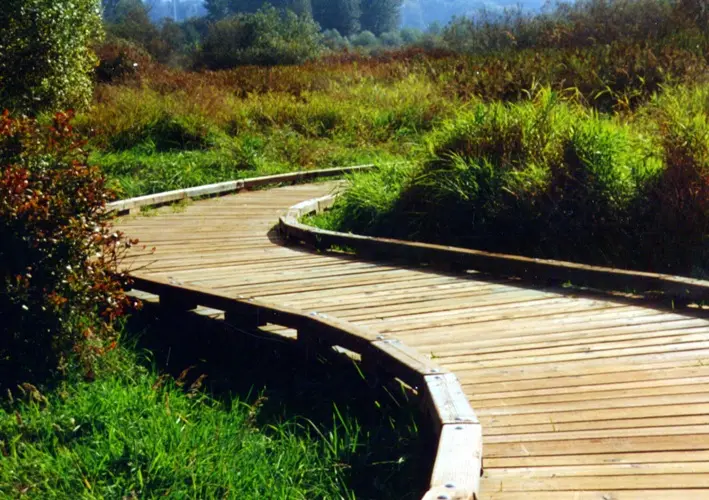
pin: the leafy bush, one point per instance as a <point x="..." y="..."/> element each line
<point x="365" y="39"/>
<point x="676" y="213"/>
<point x="391" y="39"/>
<point x="45" y="58"/>
<point x="266" y="38"/>
<point x="120" y="60"/>
<point x="58" y="295"/>
<point x="333" y="40"/>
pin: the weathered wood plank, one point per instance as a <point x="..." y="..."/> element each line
<point x="458" y="464"/>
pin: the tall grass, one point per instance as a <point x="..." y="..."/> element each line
<point x="135" y="432"/>
<point x="143" y="437"/>
<point x="155" y="128"/>
<point x="550" y="178"/>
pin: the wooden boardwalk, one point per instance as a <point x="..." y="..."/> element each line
<point x="582" y="397"/>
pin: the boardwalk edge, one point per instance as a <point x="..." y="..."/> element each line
<point x="678" y="288"/>
<point x="223" y="188"/>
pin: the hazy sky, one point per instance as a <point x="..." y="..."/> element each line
<point x="420" y="13"/>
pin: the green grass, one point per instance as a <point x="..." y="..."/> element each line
<point x="146" y="141"/>
<point x="626" y="191"/>
<point x="141" y="435"/>
<point x="234" y="422"/>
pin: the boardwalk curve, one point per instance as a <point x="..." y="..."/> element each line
<point x="579" y="396"/>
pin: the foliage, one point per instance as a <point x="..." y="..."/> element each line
<point x="340" y="15"/>
<point x="364" y="39"/>
<point x="266" y="38"/>
<point x="169" y="42"/>
<point x="512" y="178"/>
<point x="58" y="294"/>
<point x="580" y="24"/>
<point x="345" y="16"/>
<point x="45" y="56"/>
<point x="380" y="16"/>
<point x="334" y="41"/>
<point x="121" y="60"/>
<point x="677" y="212"/>
<point x="138" y="434"/>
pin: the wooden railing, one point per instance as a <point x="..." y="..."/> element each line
<point x="458" y="462"/>
<point x="228" y="187"/>
<point x="678" y="288"/>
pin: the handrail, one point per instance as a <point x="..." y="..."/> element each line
<point x="679" y="288"/>
<point x="227" y="187"/>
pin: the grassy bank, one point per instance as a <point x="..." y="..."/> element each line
<point x="548" y="177"/>
<point x="169" y="418"/>
<point x="154" y="128"/>
<point x="138" y="435"/>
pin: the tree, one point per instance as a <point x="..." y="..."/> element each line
<point x="380" y="16"/>
<point x="267" y="38"/>
<point x="46" y="61"/>
<point x="132" y="22"/>
<point x="340" y="15"/>
<point x="114" y="10"/>
<point x="219" y="9"/>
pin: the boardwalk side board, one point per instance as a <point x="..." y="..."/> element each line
<point x="679" y="288"/>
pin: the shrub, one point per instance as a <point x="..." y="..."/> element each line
<point x="267" y="38"/>
<point x="333" y="40"/>
<point x="514" y="177"/>
<point x="121" y="60"/>
<point x="567" y="25"/>
<point x="676" y="215"/>
<point x="365" y="39"/>
<point x="45" y="58"/>
<point x="391" y="39"/>
<point x="58" y="295"/>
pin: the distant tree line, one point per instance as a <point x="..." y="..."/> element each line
<point x="346" y="16"/>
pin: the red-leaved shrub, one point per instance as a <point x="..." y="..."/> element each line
<point x="58" y="254"/>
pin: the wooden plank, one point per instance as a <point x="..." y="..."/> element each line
<point x="631" y="444"/>
<point x="677" y="420"/>
<point x="664" y="494"/>
<point x="458" y="464"/>
<point x="678" y="287"/>
<point x="447" y="401"/>
<point x="619" y="469"/>
<point x="228" y="187"/>
<point x="403" y="361"/>
<point x="612" y="483"/>
<point x="608" y="457"/>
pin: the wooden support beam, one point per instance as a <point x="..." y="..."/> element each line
<point x="250" y="319"/>
<point x="172" y="302"/>
<point x="445" y="399"/>
<point x="458" y="465"/>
